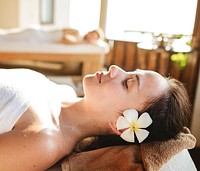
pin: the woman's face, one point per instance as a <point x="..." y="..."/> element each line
<point x="120" y="90"/>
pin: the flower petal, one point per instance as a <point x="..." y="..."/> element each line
<point x="141" y="134"/>
<point x="128" y="135"/>
<point x="131" y="115"/>
<point x="144" y="120"/>
<point x="122" y="123"/>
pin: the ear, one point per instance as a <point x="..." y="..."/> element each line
<point x="114" y="129"/>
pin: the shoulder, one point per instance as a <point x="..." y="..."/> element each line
<point x="39" y="127"/>
<point x="42" y="146"/>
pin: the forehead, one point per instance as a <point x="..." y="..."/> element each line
<point x="149" y="74"/>
<point x="152" y="83"/>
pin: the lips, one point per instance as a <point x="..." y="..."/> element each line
<point x="99" y="76"/>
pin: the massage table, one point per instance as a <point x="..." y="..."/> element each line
<point x="46" y="46"/>
<point x="180" y="162"/>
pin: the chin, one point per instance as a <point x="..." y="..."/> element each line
<point x="89" y="80"/>
<point x="88" y="84"/>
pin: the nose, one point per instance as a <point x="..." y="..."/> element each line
<point x="115" y="70"/>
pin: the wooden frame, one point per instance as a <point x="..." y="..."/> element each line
<point x="90" y="62"/>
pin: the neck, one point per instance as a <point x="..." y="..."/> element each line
<point x="79" y="120"/>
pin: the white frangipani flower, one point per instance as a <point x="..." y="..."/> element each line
<point x="130" y="124"/>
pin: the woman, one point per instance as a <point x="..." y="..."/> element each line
<point x="41" y="122"/>
<point x="71" y="36"/>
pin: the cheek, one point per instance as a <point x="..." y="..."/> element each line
<point x="114" y="95"/>
<point x="107" y="93"/>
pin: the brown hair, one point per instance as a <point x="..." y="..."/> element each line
<point x="170" y="112"/>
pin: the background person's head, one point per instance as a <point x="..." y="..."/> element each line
<point x="94" y="35"/>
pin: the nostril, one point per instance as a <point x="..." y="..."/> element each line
<point x="113" y="71"/>
<point x="111" y="67"/>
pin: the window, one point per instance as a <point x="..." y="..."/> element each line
<point x="84" y="15"/>
<point x="46" y="11"/>
<point x="157" y="16"/>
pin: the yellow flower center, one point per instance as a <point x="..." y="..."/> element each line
<point x="134" y="126"/>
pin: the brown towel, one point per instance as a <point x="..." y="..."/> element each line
<point x="106" y="159"/>
<point x="156" y="154"/>
<point x="148" y="156"/>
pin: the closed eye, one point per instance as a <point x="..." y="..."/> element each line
<point x="125" y="83"/>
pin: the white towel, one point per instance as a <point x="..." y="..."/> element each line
<point x="20" y="88"/>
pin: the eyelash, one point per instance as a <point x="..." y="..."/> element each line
<point x="125" y="83"/>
